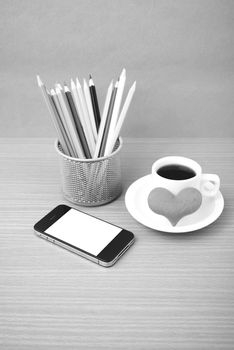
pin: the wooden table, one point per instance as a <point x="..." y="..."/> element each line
<point x="169" y="291"/>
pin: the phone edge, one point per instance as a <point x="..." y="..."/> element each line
<point x="83" y="254"/>
<point x="67" y="247"/>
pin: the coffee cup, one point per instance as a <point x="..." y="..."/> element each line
<point x="178" y="173"/>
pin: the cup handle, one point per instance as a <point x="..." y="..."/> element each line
<point x="209" y="184"/>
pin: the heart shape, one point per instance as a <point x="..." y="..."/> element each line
<point x="174" y="207"/>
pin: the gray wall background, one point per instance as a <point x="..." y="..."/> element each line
<point x="180" y="52"/>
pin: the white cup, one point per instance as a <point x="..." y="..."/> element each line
<point x="207" y="184"/>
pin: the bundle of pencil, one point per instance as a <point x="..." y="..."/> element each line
<point x="82" y="131"/>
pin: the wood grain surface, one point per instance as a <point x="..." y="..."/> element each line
<point x="169" y="291"/>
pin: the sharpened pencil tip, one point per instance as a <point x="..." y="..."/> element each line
<point x="78" y="83"/>
<point x="66" y="88"/>
<point x="39" y="81"/>
<point x="73" y="85"/>
<point x="91" y="83"/>
<point x="133" y="87"/>
<point x="59" y="86"/>
<point x="123" y="73"/>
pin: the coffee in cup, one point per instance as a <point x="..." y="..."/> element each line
<point x="176" y="172"/>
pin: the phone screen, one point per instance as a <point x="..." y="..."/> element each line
<point x="83" y="231"/>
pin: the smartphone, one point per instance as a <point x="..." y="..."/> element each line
<point x="85" y="235"/>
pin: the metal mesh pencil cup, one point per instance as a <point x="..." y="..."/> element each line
<point x="91" y="182"/>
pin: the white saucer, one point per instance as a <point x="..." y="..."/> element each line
<point x="137" y="205"/>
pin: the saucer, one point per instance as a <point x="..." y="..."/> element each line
<point x="136" y="201"/>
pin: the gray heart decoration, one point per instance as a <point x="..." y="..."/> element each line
<point x="174" y="207"/>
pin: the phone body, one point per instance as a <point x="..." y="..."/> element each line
<point x="85" y="235"/>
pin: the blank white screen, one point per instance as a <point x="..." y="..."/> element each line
<point x="83" y="231"/>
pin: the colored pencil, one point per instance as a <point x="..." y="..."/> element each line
<point x="103" y="120"/>
<point x="62" y="125"/>
<point x="108" y="121"/>
<point x="53" y="114"/>
<point x="94" y="100"/>
<point x="90" y="137"/>
<point x="70" y="123"/>
<point x="79" y="110"/>
<point x="78" y="124"/>
<point x="116" y="108"/>
<point x="121" y="119"/>
<point x="90" y="109"/>
<point x="58" y="88"/>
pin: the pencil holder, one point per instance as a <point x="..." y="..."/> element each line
<point x="91" y="182"/>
